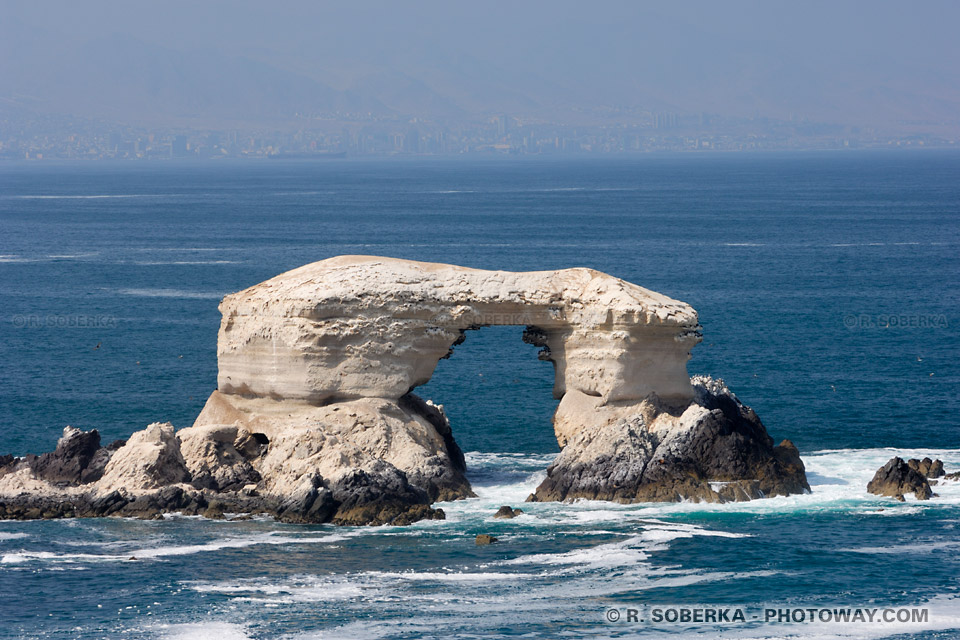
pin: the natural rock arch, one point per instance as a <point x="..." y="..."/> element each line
<point x="358" y="326"/>
<point x="363" y="330"/>
<point x="314" y="418"/>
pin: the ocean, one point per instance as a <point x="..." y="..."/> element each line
<point x="827" y="287"/>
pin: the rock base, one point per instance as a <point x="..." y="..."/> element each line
<point x="713" y="450"/>
<point x="375" y="461"/>
<point x="367" y="463"/>
<point x="314" y="508"/>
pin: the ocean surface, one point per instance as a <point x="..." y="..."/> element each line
<point x="827" y="287"/>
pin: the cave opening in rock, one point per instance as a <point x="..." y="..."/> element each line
<point x="496" y="392"/>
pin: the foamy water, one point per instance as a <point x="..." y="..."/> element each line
<point x="569" y="561"/>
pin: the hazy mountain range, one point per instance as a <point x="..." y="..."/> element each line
<point x="865" y="64"/>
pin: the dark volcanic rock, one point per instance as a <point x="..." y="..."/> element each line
<point x="310" y="502"/>
<point x="109" y="503"/>
<point x="98" y="463"/>
<point x="8" y="464"/>
<point x="615" y="476"/>
<point x="377" y="496"/>
<point x="723" y="454"/>
<point x="67" y="463"/>
<point x="927" y="468"/>
<point x="443" y="481"/>
<point x="715" y="449"/>
<point x="897" y="478"/>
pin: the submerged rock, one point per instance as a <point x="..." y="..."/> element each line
<point x="897" y="478"/>
<point x="507" y="512"/>
<point x="484" y="539"/>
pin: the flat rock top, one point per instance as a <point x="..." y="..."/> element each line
<point x="334" y="286"/>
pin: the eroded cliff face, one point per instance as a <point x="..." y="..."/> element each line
<point x="314" y="418"/>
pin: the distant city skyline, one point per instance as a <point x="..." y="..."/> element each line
<point x="137" y="79"/>
<point x="71" y="138"/>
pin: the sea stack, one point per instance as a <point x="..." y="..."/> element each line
<point x="314" y="418"/>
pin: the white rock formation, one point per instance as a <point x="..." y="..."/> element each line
<point x="322" y="359"/>
<point x="333" y="440"/>
<point x="313" y="418"/>
<point x="150" y="459"/>
<point x="365" y="327"/>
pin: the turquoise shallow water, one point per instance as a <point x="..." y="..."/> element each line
<point x="826" y="285"/>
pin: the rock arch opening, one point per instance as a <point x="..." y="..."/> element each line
<point x="496" y="392"/>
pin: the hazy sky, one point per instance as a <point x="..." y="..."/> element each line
<point x="848" y="62"/>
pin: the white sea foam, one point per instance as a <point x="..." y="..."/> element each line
<point x="666" y="532"/>
<point x="653" y="537"/>
<point x="902" y="549"/>
<point x="477" y="458"/>
<point x="170" y="293"/>
<point x="294" y="590"/>
<point x="201" y="631"/>
<point x="369" y="585"/>
<point x="46" y="258"/>
<point x="450" y="576"/>
<point x="270" y="538"/>
<point x="71" y="256"/>
<point x="609" y="555"/>
<point x="4" y="536"/>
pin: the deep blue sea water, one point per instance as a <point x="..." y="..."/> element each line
<point x="827" y="286"/>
